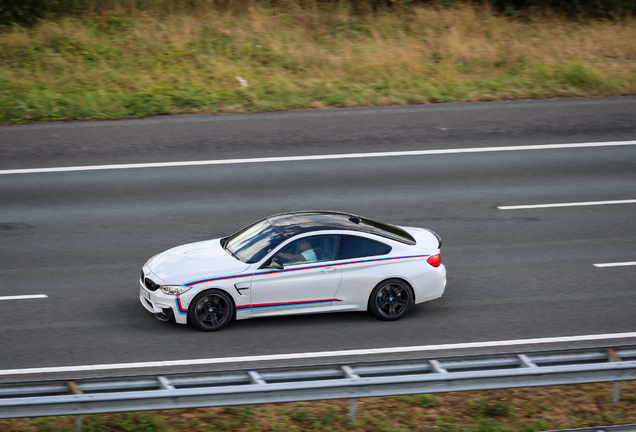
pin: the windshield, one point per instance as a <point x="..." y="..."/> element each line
<point x="252" y="243"/>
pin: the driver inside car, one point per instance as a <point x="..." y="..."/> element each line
<point x="306" y="253"/>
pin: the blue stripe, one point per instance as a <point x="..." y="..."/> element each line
<point x="176" y="300"/>
<point x="290" y="305"/>
<point x="301" y="268"/>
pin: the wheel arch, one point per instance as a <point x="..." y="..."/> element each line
<point x="408" y="285"/>
<point x="213" y="288"/>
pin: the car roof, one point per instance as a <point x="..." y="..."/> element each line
<point x="300" y="222"/>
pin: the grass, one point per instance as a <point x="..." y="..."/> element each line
<point x="118" y="65"/>
<point x="521" y="410"/>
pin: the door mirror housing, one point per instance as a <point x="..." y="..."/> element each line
<point x="275" y="263"/>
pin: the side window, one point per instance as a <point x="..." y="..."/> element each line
<point x="358" y="247"/>
<point x="309" y="249"/>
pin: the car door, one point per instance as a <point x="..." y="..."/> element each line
<point x="364" y="262"/>
<point x="303" y="284"/>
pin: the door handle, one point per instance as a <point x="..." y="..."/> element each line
<point x="328" y="269"/>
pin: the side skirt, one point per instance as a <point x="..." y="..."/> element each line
<point x="297" y="311"/>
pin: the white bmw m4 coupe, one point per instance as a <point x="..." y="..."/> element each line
<point x="295" y="263"/>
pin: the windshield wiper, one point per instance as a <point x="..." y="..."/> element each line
<point x="232" y="253"/>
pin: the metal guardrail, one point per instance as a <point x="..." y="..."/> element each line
<point x="336" y="381"/>
<point x="621" y="428"/>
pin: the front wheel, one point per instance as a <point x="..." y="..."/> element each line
<point x="390" y="300"/>
<point x="211" y="310"/>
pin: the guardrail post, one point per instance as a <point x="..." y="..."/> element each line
<point x="165" y="383"/>
<point x="437" y="367"/>
<point x="616" y="393"/>
<point x="352" y="410"/>
<point x="74" y="388"/>
<point x="351" y="374"/>
<point x="525" y="361"/>
<point x="256" y="378"/>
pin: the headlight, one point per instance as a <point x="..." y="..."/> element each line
<point x="174" y="289"/>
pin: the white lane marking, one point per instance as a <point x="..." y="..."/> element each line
<point x="572" y="204"/>
<point x="312" y="355"/>
<point x="317" y="157"/>
<point x="618" y="264"/>
<point x="24" y="297"/>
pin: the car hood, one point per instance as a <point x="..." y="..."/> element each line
<point x="194" y="261"/>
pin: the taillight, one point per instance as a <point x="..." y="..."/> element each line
<point x="435" y="260"/>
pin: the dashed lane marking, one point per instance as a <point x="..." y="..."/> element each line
<point x="616" y="264"/>
<point x="24" y="297"/>
<point x="571" y="204"/>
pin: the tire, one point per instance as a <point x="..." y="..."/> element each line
<point x="390" y="299"/>
<point x="211" y="310"/>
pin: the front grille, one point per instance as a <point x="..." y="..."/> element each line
<point x="150" y="285"/>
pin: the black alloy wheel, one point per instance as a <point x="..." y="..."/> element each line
<point x="390" y="300"/>
<point x="211" y="310"/>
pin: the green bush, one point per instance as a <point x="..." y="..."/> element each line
<point x="426" y="400"/>
<point x="579" y="75"/>
<point x="495" y="409"/>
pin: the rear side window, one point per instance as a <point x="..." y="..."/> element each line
<point x="390" y="231"/>
<point x="358" y="247"/>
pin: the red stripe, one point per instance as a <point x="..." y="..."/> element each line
<point x="302" y="268"/>
<point x="215" y="279"/>
<point x="286" y="303"/>
<point x="339" y="264"/>
<point x="179" y="303"/>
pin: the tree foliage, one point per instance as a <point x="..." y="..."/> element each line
<point x="23" y="12"/>
<point x="573" y="8"/>
<point x="27" y="12"/>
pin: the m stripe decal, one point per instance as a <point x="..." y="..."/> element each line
<point x="218" y="278"/>
<point x="180" y="308"/>
<point x="290" y="304"/>
<point x="302" y="268"/>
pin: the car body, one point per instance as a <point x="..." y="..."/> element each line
<point x="295" y="263"/>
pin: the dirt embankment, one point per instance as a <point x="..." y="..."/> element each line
<point x="119" y="65"/>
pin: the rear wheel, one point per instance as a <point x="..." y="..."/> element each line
<point x="390" y="300"/>
<point x="211" y="310"/>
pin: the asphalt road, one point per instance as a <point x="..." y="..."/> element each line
<point x="81" y="237"/>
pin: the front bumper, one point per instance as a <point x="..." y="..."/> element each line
<point x="164" y="306"/>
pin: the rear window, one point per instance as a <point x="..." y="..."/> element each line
<point x="389" y="231"/>
<point x="359" y="247"/>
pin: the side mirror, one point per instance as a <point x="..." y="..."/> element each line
<point x="275" y="263"/>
